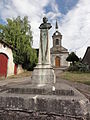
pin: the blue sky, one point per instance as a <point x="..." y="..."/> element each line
<point x="73" y="19"/>
<point x="63" y="5"/>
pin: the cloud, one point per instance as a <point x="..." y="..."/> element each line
<point x="76" y="26"/>
<point x="54" y="13"/>
<point x="34" y="9"/>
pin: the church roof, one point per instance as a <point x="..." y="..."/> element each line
<point x="61" y="49"/>
<point x="86" y="58"/>
<point x="56" y="25"/>
<point x="57" y="33"/>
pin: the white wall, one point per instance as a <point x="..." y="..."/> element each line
<point x="63" y="61"/>
<point x="8" y="52"/>
<point x="20" y="69"/>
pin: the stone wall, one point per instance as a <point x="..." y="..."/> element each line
<point x="22" y="115"/>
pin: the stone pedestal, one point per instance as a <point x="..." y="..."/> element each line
<point x="43" y="74"/>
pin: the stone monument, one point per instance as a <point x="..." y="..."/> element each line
<point x="41" y="98"/>
<point x="43" y="72"/>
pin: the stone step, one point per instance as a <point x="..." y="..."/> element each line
<point x="41" y="91"/>
<point x="57" y="99"/>
<point x="73" y="106"/>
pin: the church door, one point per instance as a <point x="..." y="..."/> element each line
<point x="57" y="61"/>
<point x="3" y="64"/>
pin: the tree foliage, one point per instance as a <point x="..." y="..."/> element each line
<point x="17" y="33"/>
<point x="72" y="58"/>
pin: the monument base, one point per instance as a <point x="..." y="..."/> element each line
<point x="43" y="74"/>
<point x="31" y="102"/>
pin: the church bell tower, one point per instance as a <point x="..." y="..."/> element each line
<point x="58" y="52"/>
<point x="57" y="37"/>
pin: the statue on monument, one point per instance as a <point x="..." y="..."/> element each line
<point x="45" y="25"/>
<point x="44" y="43"/>
<point x="43" y="73"/>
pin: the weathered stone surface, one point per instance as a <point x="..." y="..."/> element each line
<point x="61" y="89"/>
<point x="43" y="75"/>
<point x="43" y="99"/>
<point x="19" y="115"/>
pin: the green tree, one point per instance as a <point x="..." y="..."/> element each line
<point x="72" y="58"/>
<point x="17" y="33"/>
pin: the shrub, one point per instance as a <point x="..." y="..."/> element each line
<point x="79" y="66"/>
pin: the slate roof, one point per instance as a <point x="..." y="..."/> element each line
<point x="86" y="58"/>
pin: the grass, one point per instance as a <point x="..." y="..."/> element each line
<point x="24" y="74"/>
<point x="21" y="75"/>
<point x="76" y="77"/>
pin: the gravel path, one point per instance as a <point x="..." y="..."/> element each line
<point x="83" y="88"/>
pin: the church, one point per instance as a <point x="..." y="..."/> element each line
<point x="58" y="52"/>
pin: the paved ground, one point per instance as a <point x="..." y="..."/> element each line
<point x="85" y="89"/>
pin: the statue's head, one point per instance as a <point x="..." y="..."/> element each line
<point x="45" y="24"/>
<point x="45" y="20"/>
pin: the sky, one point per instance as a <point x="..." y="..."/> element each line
<point x="73" y="18"/>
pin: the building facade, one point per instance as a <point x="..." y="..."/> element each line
<point x="7" y="66"/>
<point x="58" y="52"/>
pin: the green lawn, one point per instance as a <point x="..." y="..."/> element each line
<point x="76" y="77"/>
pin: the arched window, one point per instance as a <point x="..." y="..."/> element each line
<point x="57" y="41"/>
